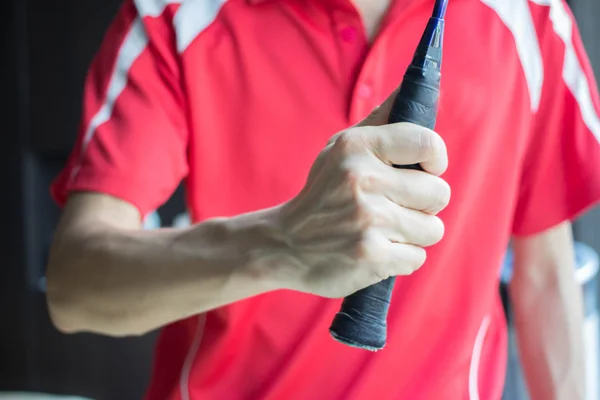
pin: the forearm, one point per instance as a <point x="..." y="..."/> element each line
<point x="123" y="282"/>
<point x="548" y="315"/>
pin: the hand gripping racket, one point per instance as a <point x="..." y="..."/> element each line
<point x="362" y="319"/>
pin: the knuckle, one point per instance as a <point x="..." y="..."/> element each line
<point x="327" y="149"/>
<point x="383" y="218"/>
<point x="358" y="173"/>
<point x="334" y="139"/>
<point x="346" y="142"/>
<point x="366" y="246"/>
<point x="351" y="177"/>
<point x="364" y="219"/>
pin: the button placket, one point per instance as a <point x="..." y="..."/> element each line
<point x="352" y="45"/>
<point x="371" y="88"/>
<point x="349" y="34"/>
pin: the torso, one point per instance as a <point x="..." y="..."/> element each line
<point x="266" y="93"/>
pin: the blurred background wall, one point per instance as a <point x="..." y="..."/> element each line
<point x="47" y="47"/>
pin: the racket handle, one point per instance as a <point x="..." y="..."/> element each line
<point x="362" y="319"/>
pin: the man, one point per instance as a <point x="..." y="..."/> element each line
<point x="242" y="99"/>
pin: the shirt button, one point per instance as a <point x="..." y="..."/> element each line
<point x="365" y="91"/>
<point x="349" y="34"/>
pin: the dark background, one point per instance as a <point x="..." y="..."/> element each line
<point x="46" y="52"/>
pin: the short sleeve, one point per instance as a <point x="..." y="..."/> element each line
<point x="561" y="170"/>
<point x="132" y="142"/>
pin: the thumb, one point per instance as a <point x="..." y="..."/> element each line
<point x="380" y="114"/>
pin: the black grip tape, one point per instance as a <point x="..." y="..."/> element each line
<point x="362" y="319"/>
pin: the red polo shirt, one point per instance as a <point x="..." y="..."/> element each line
<point x="238" y="98"/>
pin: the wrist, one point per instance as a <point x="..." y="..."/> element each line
<point x="265" y="258"/>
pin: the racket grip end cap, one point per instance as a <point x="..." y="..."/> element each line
<point x="355" y="335"/>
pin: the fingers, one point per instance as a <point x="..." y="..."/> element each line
<point x="412" y="189"/>
<point x="392" y="259"/>
<point x="412" y="258"/>
<point x="413" y="227"/>
<point x="403" y="225"/>
<point x="397" y="144"/>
